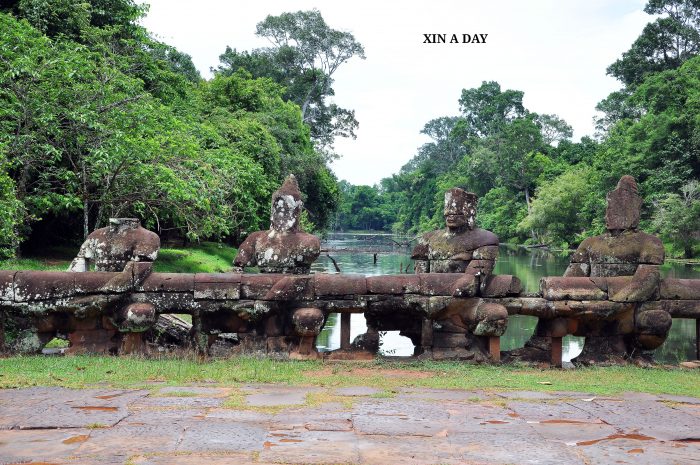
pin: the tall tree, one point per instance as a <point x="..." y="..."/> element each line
<point x="304" y="56"/>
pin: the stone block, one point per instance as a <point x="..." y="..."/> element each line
<point x="393" y="284"/>
<point x="337" y="285"/>
<point x="292" y="288"/>
<point x="556" y="288"/>
<point x="43" y="285"/>
<point x="256" y="286"/>
<point x="217" y="286"/>
<point x="438" y="284"/>
<point x="680" y="289"/>
<point x="168" y="282"/>
<point x="501" y="286"/>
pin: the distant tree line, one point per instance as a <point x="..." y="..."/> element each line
<point x="98" y="119"/>
<point x="536" y="185"/>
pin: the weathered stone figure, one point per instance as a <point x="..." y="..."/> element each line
<point x="111" y="248"/>
<point x="623" y="251"/>
<point x="283" y="248"/>
<point x="462" y="248"/>
<point x="612" y="336"/>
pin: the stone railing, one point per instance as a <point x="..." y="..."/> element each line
<point x="109" y="312"/>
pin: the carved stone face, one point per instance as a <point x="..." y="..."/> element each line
<point x="460" y="209"/>
<point x="624" y="206"/>
<point x="285" y="213"/>
<point x="286" y="206"/>
<point x="117" y="225"/>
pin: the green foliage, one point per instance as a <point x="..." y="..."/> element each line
<point x="99" y="120"/>
<point x="567" y="208"/>
<point x="677" y="218"/>
<point x="10" y="212"/>
<point x="664" y="44"/>
<point x="306" y="53"/>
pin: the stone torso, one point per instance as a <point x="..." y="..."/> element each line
<point x="279" y="252"/>
<point x="450" y="252"/>
<point x="110" y="251"/>
<point x="610" y="255"/>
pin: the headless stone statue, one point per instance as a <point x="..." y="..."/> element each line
<point x="621" y="251"/>
<point x="462" y="329"/>
<point x="283" y="248"/>
<point x="111" y="248"/>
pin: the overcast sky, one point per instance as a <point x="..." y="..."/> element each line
<point x="556" y="51"/>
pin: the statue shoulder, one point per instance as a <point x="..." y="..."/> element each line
<point x="651" y="250"/>
<point x="484" y="237"/>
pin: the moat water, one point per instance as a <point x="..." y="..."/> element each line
<point x="354" y="253"/>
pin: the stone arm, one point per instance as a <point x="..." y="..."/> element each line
<point x="479" y="268"/>
<point x="246" y="255"/>
<point x="420" y="255"/>
<point x="146" y="249"/>
<point x="644" y="284"/>
<point x="81" y="262"/>
<point x="580" y="265"/>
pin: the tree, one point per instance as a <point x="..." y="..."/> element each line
<point x="305" y="54"/>
<point x="664" y="44"/>
<point x="677" y="217"/>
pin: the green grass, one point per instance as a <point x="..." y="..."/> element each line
<point x="206" y="257"/>
<point x="88" y="371"/>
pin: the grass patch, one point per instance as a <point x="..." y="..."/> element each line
<point x="315" y="399"/>
<point x="206" y="257"/>
<point x="78" y="371"/>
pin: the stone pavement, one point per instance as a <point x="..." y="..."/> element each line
<point x="262" y="424"/>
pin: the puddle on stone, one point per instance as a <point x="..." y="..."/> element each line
<point x="76" y="439"/>
<point x="268" y="444"/>
<point x="635" y="451"/>
<point x="291" y="440"/>
<point x="637" y="437"/>
<point x="278" y="435"/>
<point x="513" y="415"/>
<point x="101" y="409"/>
<point x="494" y="422"/>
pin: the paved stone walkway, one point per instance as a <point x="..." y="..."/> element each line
<point x="281" y="424"/>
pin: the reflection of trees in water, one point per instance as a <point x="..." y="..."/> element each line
<point x="527" y="264"/>
<point x="679" y="345"/>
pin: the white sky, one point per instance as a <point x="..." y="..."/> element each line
<point x="556" y="51"/>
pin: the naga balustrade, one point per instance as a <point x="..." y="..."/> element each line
<point x="110" y="312"/>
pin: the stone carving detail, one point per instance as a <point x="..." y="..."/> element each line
<point x="463" y="328"/>
<point x="632" y="328"/>
<point x="111" y="248"/>
<point x="283" y="248"/>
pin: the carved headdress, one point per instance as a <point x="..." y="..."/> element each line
<point x="624" y="205"/>
<point x="286" y="206"/>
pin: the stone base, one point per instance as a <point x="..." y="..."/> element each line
<point x="341" y="354"/>
<point x="611" y="350"/>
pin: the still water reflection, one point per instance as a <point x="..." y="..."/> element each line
<point x="354" y="253"/>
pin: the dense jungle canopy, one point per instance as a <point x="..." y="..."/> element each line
<point x="99" y="119"/>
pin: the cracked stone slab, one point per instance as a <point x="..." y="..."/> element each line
<point x="133" y="439"/>
<point x="275" y="396"/>
<point x="357" y="391"/>
<point x="197" y="459"/>
<point x="178" y="402"/>
<point x="488" y="448"/>
<point x="313" y="420"/>
<point x="222" y="436"/>
<point x="639" y="452"/>
<point x="444" y="394"/>
<point x="309" y="447"/>
<point x="395" y="417"/>
<point x="556" y="412"/>
<point x="33" y="445"/>
<point x="380" y="450"/>
<point x="650" y="418"/>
